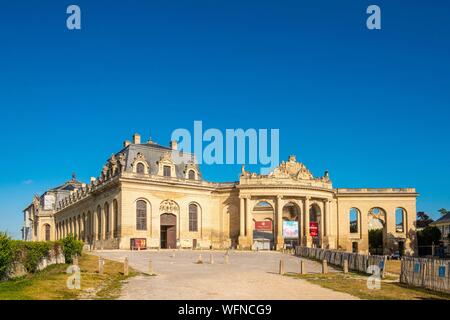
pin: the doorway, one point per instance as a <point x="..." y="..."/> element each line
<point x="401" y="248"/>
<point x="168" y="239"/>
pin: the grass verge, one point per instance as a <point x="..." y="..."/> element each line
<point x="50" y="284"/>
<point x="356" y="285"/>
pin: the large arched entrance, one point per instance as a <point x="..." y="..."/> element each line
<point x="291" y="224"/>
<point x="168" y="231"/>
<point x="263" y="226"/>
<point x="377" y="231"/>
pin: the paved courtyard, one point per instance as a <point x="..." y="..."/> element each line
<point x="249" y="275"/>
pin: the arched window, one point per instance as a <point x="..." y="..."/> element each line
<point x="399" y="220"/>
<point x="140" y="168"/>
<point x="47" y="232"/>
<point x="107" y="219"/>
<point x="141" y="215"/>
<point x="191" y="175"/>
<point x="193" y="217"/>
<point x="99" y="223"/>
<point x="116" y="218"/>
<point x="354" y="220"/>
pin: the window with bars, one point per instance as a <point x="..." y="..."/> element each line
<point x="141" y="215"/>
<point x="193" y="217"/>
<point x="167" y="171"/>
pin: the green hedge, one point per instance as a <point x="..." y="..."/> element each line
<point x="6" y="254"/>
<point x="31" y="253"/>
<point x="71" y="247"/>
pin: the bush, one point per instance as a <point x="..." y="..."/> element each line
<point x="71" y="247"/>
<point x="6" y="254"/>
<point x="30" y="254"/>
<point x="35" y="252"/>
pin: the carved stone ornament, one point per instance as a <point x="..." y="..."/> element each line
<point x="113" y="166"/>
<point x="139" y="159"/>
<point x="293" y="169"/>
<point x="190" y="166"/>
<point x="122" y="162"/>
<point x="243" y="172"/>
<point x="36" y="202"/>
<point x="166" y="158"/>
<point x="169" y="206"/>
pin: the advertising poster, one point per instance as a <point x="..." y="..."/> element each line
<point x="313" y="229"/>
<point x="265" y="225"/>
<point x="290" y="229"/>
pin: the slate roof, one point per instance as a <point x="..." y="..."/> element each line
<point x="153" y="153"/>
<point x="444" y="219"/>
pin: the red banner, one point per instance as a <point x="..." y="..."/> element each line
<point x="313" y="229"/>
<point x="265" y="225"/>
<point x="138" y="243"/>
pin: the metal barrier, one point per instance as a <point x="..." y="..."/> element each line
<point x="431" y="274"/>
<point x="356" y="261"/>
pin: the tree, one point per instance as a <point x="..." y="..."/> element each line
<point x="443" y="211"/>
<point x="423" y="219"/>
<point x="428" y="236"/>
<point x="376" y="238"/>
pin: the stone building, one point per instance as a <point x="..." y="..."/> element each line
<point x="39" y="215"/>
<point x="143" y="198"/>
<point x="443" y="224"/>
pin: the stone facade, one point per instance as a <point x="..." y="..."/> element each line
<point x="141" y="188"/>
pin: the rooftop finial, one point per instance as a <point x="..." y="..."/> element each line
<point x="74" y="176"/>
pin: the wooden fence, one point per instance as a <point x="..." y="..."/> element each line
<point x="432" y="274"/>
<point x="356" y="262"/>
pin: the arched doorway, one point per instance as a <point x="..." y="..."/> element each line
<point x="263" y="226"/>
<point x="291" y="224"/>
<point x="377" y="230"/>
<point x="168" y="234"/>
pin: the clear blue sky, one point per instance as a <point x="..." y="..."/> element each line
<point x="372" y="107"/>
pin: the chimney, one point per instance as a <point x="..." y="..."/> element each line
<point x="173" y="144"/>
<point x="126" y="143"/>
<point x="136" y="138"/>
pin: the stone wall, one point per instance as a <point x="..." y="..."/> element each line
<point x="19" y="270"/>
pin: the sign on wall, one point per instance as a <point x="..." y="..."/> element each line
<point x="313" y="229"/>
<point x="290" y="229"/>
<point x="265" y="225"/>
<point x="138" y="243"/>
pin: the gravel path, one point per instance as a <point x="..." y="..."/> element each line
<point x="249" y="275"/>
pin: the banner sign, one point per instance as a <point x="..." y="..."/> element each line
<point x="265" y="225"/>
<point x="313" y="229"/>
<point x="138" y="243"/>
<point x="290" y="229"/>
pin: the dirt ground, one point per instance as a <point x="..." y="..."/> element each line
<point x="248" y="275"/>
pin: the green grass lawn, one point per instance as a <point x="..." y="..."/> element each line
<point x="50" y="284"/>
<point x="356" y="285"/>
<point x="393" y="266"/>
